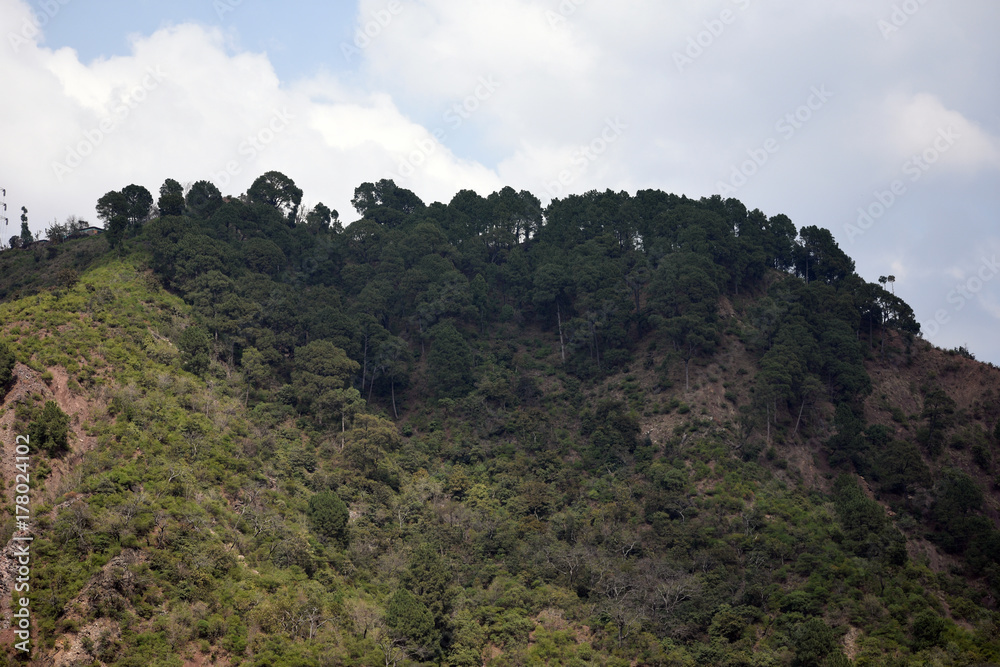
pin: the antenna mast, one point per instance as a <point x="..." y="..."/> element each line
<point x="3" y="210"/>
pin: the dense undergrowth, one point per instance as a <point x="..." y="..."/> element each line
<point x="455" y="435"/>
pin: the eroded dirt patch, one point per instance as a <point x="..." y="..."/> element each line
<point x="29" y="385"/>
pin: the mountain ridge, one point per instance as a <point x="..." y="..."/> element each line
<point x="424" y="439"/>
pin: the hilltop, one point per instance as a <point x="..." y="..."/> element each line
<point x="625" y="429"/>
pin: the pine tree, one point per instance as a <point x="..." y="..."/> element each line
<point x="26" y="237"/>
<point x="328" y="515"/>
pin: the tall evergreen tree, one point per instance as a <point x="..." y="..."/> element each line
<point x="171" y="201"/>
<point x="26" y="237"/>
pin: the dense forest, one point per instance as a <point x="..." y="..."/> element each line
<point x="617" y="430"/>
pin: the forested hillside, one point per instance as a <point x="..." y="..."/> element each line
<point x="620" y="430"/>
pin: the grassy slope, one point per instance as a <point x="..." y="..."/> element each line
<point x="168" y="461"/>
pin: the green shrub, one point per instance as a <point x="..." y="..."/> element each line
<point x="7" y="361"/>
<point x="194" y="346"/>
<point x="49" y="431"/>
<point x="411" y="618"/>
<point x="328" y="516"/>
<point x="813" y="641"/>
<point x="927" y="630"/>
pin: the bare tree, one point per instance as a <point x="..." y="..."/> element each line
<point x="364" y="615"/>
<point x="620" y="588"/>
<point x="667" y="587"/>
<point x="391" y="644"/>
<point x="569" y="561"/>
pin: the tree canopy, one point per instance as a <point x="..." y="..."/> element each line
<point x="617" y="428"/>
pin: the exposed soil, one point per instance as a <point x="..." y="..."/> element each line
<point x="81" y="409"/>
<point x="851" y="643"/>
<point x="28" y="384"/>
<point x="898" y="380"/>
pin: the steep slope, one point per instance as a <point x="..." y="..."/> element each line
<point x="383" y="446"/>
<point x="130" y="589"/>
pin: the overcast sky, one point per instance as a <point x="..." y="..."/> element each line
<point x="877" y="119"/>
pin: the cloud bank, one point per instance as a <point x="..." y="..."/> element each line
<point x="876" y="120"/>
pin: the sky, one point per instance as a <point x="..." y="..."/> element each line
<point x="876" y="119"/>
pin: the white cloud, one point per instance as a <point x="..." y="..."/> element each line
<point x="184" y="105"/>
<point x="920" y="123"/>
